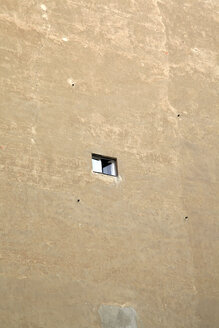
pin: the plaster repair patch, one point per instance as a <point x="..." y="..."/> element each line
<point x="43" y="7"/>
<point x="117" y="317"/>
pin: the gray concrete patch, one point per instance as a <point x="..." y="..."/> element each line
<point x="117" y="317"/>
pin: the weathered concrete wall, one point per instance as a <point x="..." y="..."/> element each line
<point x="145" y="92"/>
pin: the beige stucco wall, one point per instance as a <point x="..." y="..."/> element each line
<point x="136" y="66"/>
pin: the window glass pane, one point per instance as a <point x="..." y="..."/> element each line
<point x="108" y="167"/>
<point x="96" y="165"/>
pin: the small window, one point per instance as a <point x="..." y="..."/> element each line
<point x="104" y="165"/>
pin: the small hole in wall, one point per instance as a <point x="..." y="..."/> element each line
<point x="178" y="115"/>
<point x="72" y="84"/>
<point x="186" y="217"/>
<point x="78" y="200"/>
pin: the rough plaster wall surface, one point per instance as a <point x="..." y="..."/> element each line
<point x="131" y="79"/>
